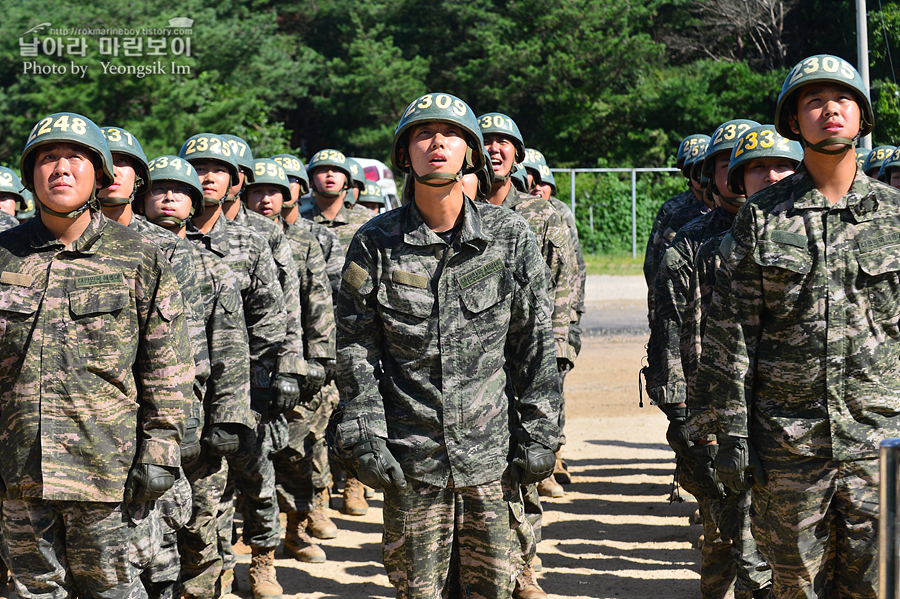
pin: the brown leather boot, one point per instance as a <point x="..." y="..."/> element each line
<point x="550" y="488"/>
<point x="527" y="586"/>
<point x="560" y="471"/>
<point x="298" y="544"/>
<point x="319" y="524"/>
<point x="262" y="574"/>
<point x="354" y="500"/>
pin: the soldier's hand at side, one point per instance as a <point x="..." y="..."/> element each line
<point x="147" y="482"/>
<point x="190" y="443"/>
<point x="531" y="463"/>
<point x="313" y="381"/>
<point x="285" y="393"/>
<point x="223" y="439"/>
<point x="676" y="434"/>
<point x="705" y="476"/>
<point x="738" y="465"/>
<point x="376" y="467"/>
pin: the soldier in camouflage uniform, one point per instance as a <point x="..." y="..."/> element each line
<point x="131" y="174"/>
<point x="97" y="378"/>
<point x="543" y="184"/>
<point x="372" y="198"/>
<point x="357" y="181"/>
<point x="760" y="156"/>
<point x="26" y="210"/>
<point x="301" y="485"/>
<point x="276" y="373"/>
<point x="801" y="346"/>
<point x="503" y="146"/>
<point x="11" y="199"/>
<point x="331" y="181"/>
<point x="861" y="155"/>
<point x="418" y="280"/>
<point x="223" y="417"/>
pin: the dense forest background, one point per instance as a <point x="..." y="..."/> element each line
<point x="589" y="82"/>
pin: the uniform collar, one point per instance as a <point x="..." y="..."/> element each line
<point x="859" y="199"/>
<point x="216" y="240"/>
<point x="341" y="218"/>
<point x="416" y="232"/>
<point x="87" y="244"/>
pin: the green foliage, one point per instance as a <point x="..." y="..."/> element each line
<point x="608" y="196"/>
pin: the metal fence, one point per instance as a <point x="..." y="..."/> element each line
<point x="634" y="172"/>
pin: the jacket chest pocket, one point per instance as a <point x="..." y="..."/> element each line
<point x="102" y="324"/>
<point x="882" y="282"/>
<point x="485" y="307"/>
<point x="18" y="308"/>
<point x="405" y="313"/>
<point x="785" y="272"/>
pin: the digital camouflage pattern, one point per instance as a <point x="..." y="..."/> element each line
<point x="317" y="306"/>
<point x="793" y="372"/>
<point x="7" y="221"/>
<point x="488" y="523"/>
<point x="291" y="359"/>
<point x="69" y="382"/>
<point x="556" y="247"/>
<point x="177" y="252"/>
<point x="671" y="287"/>
<point x="331" y="251"/>
<point x="201" y="562"/>
<point x="651" y="253"/>
<point x="410" y="369"/>
<point x="580" y="271"/>
<point x="249" y="258"/>
<point x="345" y="223"/>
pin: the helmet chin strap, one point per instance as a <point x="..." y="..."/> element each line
<point x="91" y="203"/>
<point x="845" y="144"/>
<point x="443" y="179"/>
<point x="111" y="202"/>
<point x="168" y="221"/>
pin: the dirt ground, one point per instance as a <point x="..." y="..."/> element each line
<point x="614" y="535"/>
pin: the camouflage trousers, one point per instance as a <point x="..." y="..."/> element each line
<point x="251" y="483"/>
<point x="816" y="521"/>
<point x="534" y="512"/>
<point x="57" y="549"/>
<point x="462" y="542"/>
<point x="302" y="466"/>
<point x="730" y="559"/>
<point x="201" y="564"/>
<point x="162" y="577"/>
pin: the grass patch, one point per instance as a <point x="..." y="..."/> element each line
<point x="614" y="264"/>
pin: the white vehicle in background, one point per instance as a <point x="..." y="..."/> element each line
<point x="380" y="173"/>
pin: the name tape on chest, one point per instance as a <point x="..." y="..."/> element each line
<point x="482" y="272"/>
<point x="871" y="242"/>
<point x="16" y="278"/>
<point x="96" y="280"/>
<point x="408" y="278"/>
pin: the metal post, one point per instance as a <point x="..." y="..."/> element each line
<point x="572" y="191"/>
<point x="591" y="216"/>
<point x="888" y="580"/>
<point x="633" y="213"/>
<point x="862" y="50"/>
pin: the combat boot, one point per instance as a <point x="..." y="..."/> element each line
<point x="560" y="471"/>
<point x="298" y="544"/>
<point x="354" y="500"/>
<point x="527" y="586"/>
<point x="262" y="574"/>
<point x="320" y="525"/>
<point x="550" y="488"/>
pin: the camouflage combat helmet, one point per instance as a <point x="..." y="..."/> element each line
<point x="876" y="158"/>
<point x="819" y="68"/>
<point x="293" y="167"/>
<point x="889" y="164"/>
<point x="67" y="127"/>
<point x="520" y="181"/>
<point x="547" y="178"/>
<point x="10" y="183"/>
<point x="242" y="155"/>
<point x="754" y="143"/>
<point x="532" y="163"/>
<point x="120" y="141"/>
<point x="695" y="161"/>
<point x="28" y="210"/>
<point x="496" y="123"/>
<point x="357" y="175"/>
<point x="861" y="154"/>
<point x="684" y="149"/>
<point x="335" y="160"/>
<point x="372" y="194"/>
<point x="209" y="146"/>
<point x="173" y="168"/>
<point x="269" y="172"/>
<point x="443" y="108"/>
<point x="722" y="140"/>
